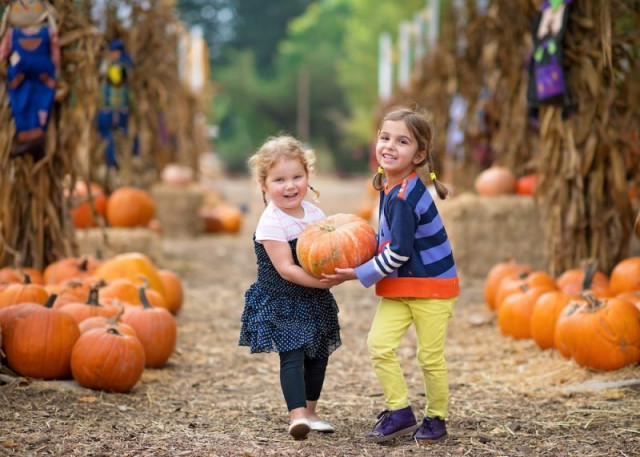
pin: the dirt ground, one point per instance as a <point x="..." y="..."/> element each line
<point x="508" y="398"/>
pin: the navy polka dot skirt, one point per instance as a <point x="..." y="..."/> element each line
<point x="281" y="316"/>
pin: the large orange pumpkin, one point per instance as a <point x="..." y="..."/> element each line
<point x="105" y="359"/>
<point x="339" y="241"/>
<point x="221" y="218"/>
<point x="24" y="292"/>
<point x="155" y="327"/>
<point x="39" y="340"/>
<point x="130" y="207"/>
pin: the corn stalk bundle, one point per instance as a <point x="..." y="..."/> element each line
<point x="164" y="112"/>
<point x="588" y="159"/>
<point x="35" y="228"/>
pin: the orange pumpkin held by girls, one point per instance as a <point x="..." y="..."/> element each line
<point x="339" y="241"/>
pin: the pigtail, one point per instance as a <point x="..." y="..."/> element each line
<point x="442" y="190"/>
<point x="378" y="179"/>
<point x="316" y="193"/>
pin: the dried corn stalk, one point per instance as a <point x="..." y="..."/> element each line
<point x="588" y="159"/>
<point x="35" y="228"/>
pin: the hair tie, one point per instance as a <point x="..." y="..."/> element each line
<point x="381" y="170"/>
<point x="432" y="175"/>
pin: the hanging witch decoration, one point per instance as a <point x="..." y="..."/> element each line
<point x="113" y="115"/>
<point x="30" y="43"/>
<point x="546" y="74"/>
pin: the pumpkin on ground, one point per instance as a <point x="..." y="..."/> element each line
<point x="339" y="241"/>
<point x="514" y="314"/>
<point x="495" y="276"/>
<point x="104" y="322"/>
<point x="625" y="276"/>
<point x="604" y="334"/>
<point x="512" y="285"/>
<point x="126" y="291"/>
<point x="24" y="292"/>
<point x="155" y="327"/>
<point x="545" y="315"/>
<point x="38" y="341"/>
<point x="91" y="308"/>
<point x="134" y="266"/>
<point x="69" y="268"/>
<point x="173" y="288"/>
<point x="130" y="207"/>
<point x="576" y="280"/>
<point x="106" y="359"/>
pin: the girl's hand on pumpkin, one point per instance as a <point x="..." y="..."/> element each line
<point x="341" y="275"/>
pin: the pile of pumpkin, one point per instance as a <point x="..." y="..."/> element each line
<point x="100" y="322"/>
<point x="124" y="207"/>
<point x="583" y="313"/>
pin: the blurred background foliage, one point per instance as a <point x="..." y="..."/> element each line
<point x="303" y="67"/>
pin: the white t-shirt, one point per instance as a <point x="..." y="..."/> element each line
<point x="276" y="225"/>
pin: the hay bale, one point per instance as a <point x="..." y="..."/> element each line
<point x="177" y="209"/>
<point x="106" y="243"/>
<point x="486" y="230"/>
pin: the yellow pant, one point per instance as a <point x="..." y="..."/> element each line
<point x="393" y="318"/>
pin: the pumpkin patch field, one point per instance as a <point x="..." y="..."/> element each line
<point x="508" y="397"/>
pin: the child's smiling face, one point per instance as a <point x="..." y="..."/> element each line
<point x="397" y="151"/>
<point x="286" y="185"/>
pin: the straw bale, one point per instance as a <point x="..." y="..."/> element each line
<point x="177" y="209"/>
<point x="486" y="230"/>
<point x="110" y="241"/>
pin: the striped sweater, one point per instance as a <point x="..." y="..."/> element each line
<point x="414" y="254"/>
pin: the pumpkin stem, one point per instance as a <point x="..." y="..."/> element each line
<point x="50" y="301"/>
<point x="143" y="297"/>
<point x="590" y="269"/>
<point x="84" y="264"/>
<point x="27" y="279"/>
<point x="593" y="304"/>
<point x="114" y="331"/>
<point x="92" y="300"/>
<point x="113" y="320"/>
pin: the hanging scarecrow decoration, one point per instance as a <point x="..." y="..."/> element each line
<point x="30" y="43"/>
<point x="113" y="115"/>
<point x="546" y="74"/>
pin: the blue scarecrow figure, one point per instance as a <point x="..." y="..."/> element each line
<point x="114" y="108"/>
<point x="30" y="42"/>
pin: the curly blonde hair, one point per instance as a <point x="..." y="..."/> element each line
<point x="276" y="149"/>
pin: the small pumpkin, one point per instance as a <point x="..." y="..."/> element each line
<point x="514" y="314"/>
<point x="221" y="218"/>
<point x="85" y="203"/>
<point x="17" y="293"/>
<point x="625" y="276"/>
<point x="126" y="291"/>
<point x="494" y="181"/>
<point x="130" y="207"/>
<point x="107" y="359"/>
<point x="173" y="288"/>
<point x="495" y="276"/>
<point x="102" y="322"/>
<point x="92" y="307"/>
<point x="69" y="268"/>
<point x="339" y="241"/>
<point x="526" y="185"/>
<point x="544" y="316"/>
<point x="155" y="327"/>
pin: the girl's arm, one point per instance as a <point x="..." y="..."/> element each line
<point x="280" y="255"/>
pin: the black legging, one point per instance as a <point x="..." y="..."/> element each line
<point x="301" y="378"/>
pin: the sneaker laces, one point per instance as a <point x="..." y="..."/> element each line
<point x="383" y="418"/>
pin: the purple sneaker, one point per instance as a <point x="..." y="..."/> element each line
<point x="392" y="424"/>
<point x="432" y="430"/>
